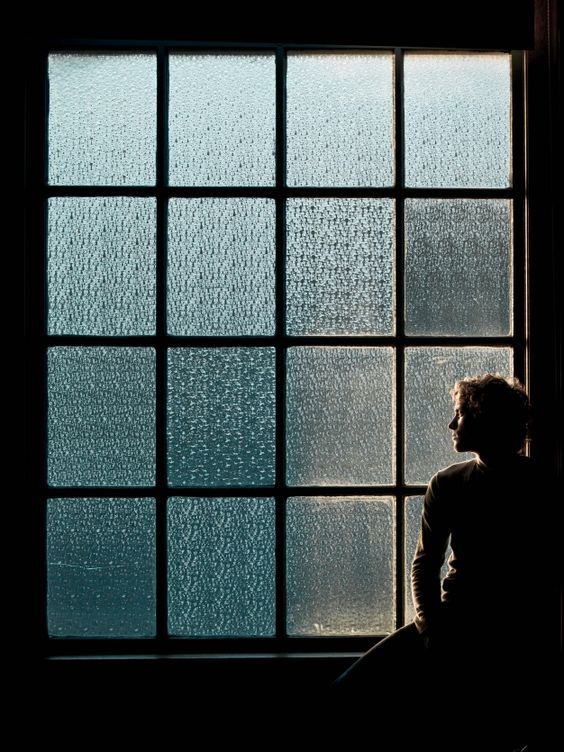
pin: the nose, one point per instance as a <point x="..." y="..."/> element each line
<point x="453" y="423"/>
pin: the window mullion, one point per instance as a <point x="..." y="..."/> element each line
<point x="161" y="470"/>
<point x="280" y="473"/>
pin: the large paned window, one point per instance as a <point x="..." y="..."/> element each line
<point x="265" y="270"/>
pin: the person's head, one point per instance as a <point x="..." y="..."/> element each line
<point x="491" y="415"/>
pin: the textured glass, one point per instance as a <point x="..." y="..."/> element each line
<point x="222" y="119"/>
<point x="221" y="567"/>
<point x="458" y="120"/>
<point x="221" y="266"/>
<point x="221" y="416"/>
<point x="339" y="266"/>
<point x="101" y="256"/>
<point x="340" y="565"/>
<point x="101" y="567"/>
<point x="413" y="512"/>
<point x="101" y="424"/>
<point x="102" y="118"/>
<point x="340" y="119"/>
<point x="458" y="267"/>
<point x="431" y="373"/>
<point x="340" y="416"/>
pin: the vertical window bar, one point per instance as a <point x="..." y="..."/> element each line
<point x="520" y="323"/>
<point x="399" y="305"/>
<point x="280" y="450"/>
<point x="161" y="479"/>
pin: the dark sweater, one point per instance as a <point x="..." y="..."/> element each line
<point x="493" y="520"/>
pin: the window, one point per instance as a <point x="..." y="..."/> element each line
<point x="265" y="268"/>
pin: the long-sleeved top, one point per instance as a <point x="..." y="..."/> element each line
<point x="495" y="520"/>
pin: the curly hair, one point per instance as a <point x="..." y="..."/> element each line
<point x="497" y="403"/>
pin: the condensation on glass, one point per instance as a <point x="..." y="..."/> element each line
<point x="221" y="255"/>
<point x="413" y="511"/>
<point x="221" y="567"/>
<point x="431" y="373"/>
<point x="458" y="267"/>
<point x="340" y="412"/>
<point x="339" y="266"/>
<point x="101" y="567"/>
<point x="101" y="416"/>
<point x="102" y="118"/>
<point x="340" y="565"/>
<point x="457" y="120"/>
<point x="221" y="416"/>
<point x="340" y="119"/>
<point x="222" y="114"/>
<point x="101" y="258"/>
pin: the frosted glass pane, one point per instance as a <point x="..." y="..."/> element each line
<point x="221" y="254"/>
<point x="101" y="416"/>
<point x="340" y="119"/>
<point x="221" y="567"/>
<point x="339" y="266"/>
<point x="101" y="265"/>
<point x="102" y="119"/>
<point x="101" y="567"/>
<point x="221" y="416"/>
<point x="340" y="416"/>
<point x="222" y="119"/>
<point x="458" y="120"/>
<point x="431" y="373"/>
<point x="340" y="565"/>
<point x="458" y="267"/>
<point x="413" y="512"/>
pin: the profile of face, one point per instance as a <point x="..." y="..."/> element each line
<point x="465" y="435"/>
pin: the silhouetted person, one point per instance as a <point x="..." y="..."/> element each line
<point x="474" y="654"/>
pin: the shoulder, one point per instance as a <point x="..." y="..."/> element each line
<point x="450" y="478"/>
<point x="457" y="473"/>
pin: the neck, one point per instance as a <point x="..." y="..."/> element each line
<point x="493" y="459"/>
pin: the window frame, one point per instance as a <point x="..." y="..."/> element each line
<point x="38" y="191"/>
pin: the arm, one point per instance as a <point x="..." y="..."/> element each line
<point x="428" y="560"/>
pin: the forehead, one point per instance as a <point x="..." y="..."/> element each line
<point x="459" y="402"/>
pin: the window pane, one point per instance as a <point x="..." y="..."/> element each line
<point x="413" y="512"/>
<point x="221" y="266"/>
<point x="431" y="373"/>
<point x="340" y="416"/>
<point x="222" y="119"/>
<point x="101" y="567"/>
<point x="101" y="265"/>
<point x="101" y="424"/>
<point x="102" y="119"/>
<point x="221" y="416"/>
<point x="340" y="119"/>
<point x="340" y="565"/>
<point x="458" y="267"/>
<point x="339" y="266"/>
<point x="458" y="120"/>
<point x="221" y="567"/>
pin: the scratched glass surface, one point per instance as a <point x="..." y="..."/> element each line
<point x="340" y="416"/>
<point x="458" y="120"/>
<point x="413" y="512"/>
<point x="221" y="254"/>
<point x="339" y="266"/>
<point x="221" y="416"/>
<point x="102" y="118"/>
<point x="458" y="267"/>
<point x="101" y="265"/>
<point x="221" y="567"/>
<point x="340" y="119"/>
<point x="101" y="416"/>
<point x="222" y="115"/>
<point x="101" y="578"/>
<point x="431" y="373"/>
<point x="340" y="565"/>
